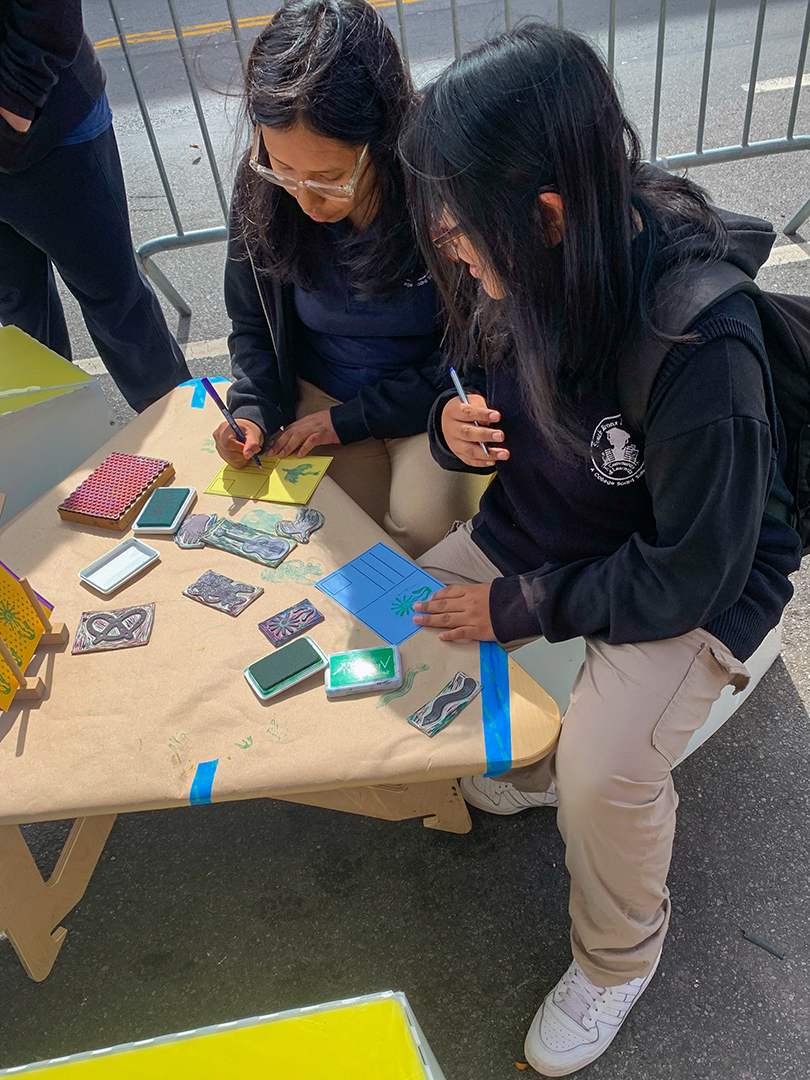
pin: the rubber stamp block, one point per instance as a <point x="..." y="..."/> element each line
<point x="447" y="704"/>
<point x="290" y="623"/>
<point x="307" y="521"/>
<point x="112" y="495"/>
<point x="123" y="628"/>
<point x="220" y="592"/>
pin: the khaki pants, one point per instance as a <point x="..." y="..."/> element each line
<point x="633" y="709"/>
<point x="397" y="482"/>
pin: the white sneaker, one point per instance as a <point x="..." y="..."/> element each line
<point x="578" y="1021"/>
<point x="499" y="797"/>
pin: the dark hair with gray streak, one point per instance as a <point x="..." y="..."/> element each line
<point x="334" y="66"/>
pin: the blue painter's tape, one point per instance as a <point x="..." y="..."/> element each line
<point x="198" y="397"/>
<point x="203" y="782"/>
<point x="495" y="705"/>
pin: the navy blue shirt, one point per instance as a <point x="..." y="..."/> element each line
<point x="347" y="343"/>
<point x="94" y="124"/>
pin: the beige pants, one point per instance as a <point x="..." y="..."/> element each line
<point x="633" y="709"/>
<point x="397" y="482"/>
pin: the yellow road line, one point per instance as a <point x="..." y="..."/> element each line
<point x="148" y="36"/>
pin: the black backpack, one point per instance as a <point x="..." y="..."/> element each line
<point x="784" y="354"/>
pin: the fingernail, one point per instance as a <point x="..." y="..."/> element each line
<point x="494" y="416"/>
<point x="498" y="436"/>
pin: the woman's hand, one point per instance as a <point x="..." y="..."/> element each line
<point x="18" y="123"/>
<point x="304" y="435"/>
<point x="463" y="437"/>
<point x="231" y="450"/>
<point x="462" y="611"/>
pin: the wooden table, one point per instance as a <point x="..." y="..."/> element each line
<point x="176" y="722"/>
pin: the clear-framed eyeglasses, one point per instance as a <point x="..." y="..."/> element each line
<point x="341" y="192"/>
<point x="445" y="241"/>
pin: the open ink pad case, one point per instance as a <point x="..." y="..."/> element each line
<point x="164" y="510"/>
<point x="363" y="671"/>
<point x="288" y="665"/>
<point x="118" y="566"/>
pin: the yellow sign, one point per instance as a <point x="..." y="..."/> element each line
<point x="367" y="1041"/>
<point x="282" y="480"/>
<point x="20" y="629"/>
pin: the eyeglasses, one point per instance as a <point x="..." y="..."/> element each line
<point x="341" y="192"/>
<point x="445" y="242"/>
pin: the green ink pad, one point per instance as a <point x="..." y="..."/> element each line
<point x="165" y="510"/>
<point x="285" y="667"/>
<point x="363" y="671"/>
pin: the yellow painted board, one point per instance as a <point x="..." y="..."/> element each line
<point x="282" y="480"/>
<point x="365" y="1041"/>
<point x="20" y="629"/>
<point x="30" y="372"/>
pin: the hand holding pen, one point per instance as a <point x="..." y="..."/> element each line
<point x="222" y="436"/>
<point x="466" y="428"/>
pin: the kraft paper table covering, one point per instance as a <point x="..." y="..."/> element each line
<point x="126" y="730"/>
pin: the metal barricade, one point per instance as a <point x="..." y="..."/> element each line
<point x="181" y="238"/>
<point x="701" y="155"/>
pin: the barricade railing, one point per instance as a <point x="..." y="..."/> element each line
<point x="701" y="155"/>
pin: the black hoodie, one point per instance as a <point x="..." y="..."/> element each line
<point x="651" y="537"/>
<point x="49" y="74"/>
<point x="266" y="341"/>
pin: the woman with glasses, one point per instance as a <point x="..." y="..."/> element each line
<point x="661" y="536"/>
<point x="335" y="341"/>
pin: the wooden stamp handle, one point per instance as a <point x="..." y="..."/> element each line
<point x="42" y="615"/>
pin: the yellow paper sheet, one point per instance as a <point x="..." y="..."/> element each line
<point x="30" y="372"/>
<point x="282" y="480"/>
<point x="20" y="629"/>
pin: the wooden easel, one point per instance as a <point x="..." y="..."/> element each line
<point x="54" y="634"/>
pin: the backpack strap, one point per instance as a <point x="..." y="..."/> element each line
<point x="683" y="294"/>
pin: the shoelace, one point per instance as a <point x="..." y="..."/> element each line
<point x="576" y="995"/>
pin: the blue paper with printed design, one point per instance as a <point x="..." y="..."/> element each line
<point x="380" y="588"/>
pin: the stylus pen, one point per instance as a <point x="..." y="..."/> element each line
<point x="227" y="414"/>
<point x="463" y="396"/>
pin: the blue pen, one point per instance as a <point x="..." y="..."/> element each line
<point x="227" y="414"/>
<point x="463" y="396"/>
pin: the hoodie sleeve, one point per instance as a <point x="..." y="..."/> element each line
<point x="393" y="408"/>
<point x="442" y="454"/>
<point x="41" y="38"/>
<point x="255" y="393"/>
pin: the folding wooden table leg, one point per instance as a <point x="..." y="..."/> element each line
<point x="440" y="799"/>
<point x="30" y="908"/>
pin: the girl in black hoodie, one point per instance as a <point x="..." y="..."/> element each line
<point x="664" y="543"/>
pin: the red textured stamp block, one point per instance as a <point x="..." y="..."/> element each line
<point x="114" y="488"/>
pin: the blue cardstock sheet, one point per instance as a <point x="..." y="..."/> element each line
<point x="380" y="588"/>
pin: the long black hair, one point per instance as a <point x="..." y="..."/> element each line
<point x="333" y="65"/>
<point x="536" y="110"/>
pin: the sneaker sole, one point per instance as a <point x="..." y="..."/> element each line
<point x="563" y="1070"/>
<point x="489" y="808"/>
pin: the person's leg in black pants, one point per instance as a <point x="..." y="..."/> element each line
<point x="71" y="209"/>
<point x="28" y="294"/>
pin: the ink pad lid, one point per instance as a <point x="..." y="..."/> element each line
<point x="363" y="671"/>
<point x="288" y="665"/>
<point x="119" y="566"/>
<point x="164" y="510"/>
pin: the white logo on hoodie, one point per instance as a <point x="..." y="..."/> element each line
<point x="615" y="458"/>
